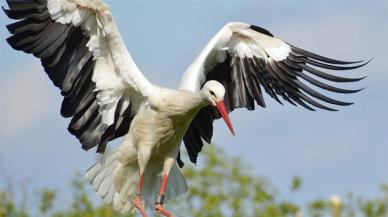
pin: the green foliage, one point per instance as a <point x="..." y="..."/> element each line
<point x="8" y="208"/>
<point x="296" y="183"/>
<point x="222" y="187"/>
<point x="47" y="200"/>
<point x="318" y="208"/>
<point x="376" y="207"/>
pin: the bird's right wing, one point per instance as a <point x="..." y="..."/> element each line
<point x="84" y="55"/>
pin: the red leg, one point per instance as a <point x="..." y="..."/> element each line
<point x="137" y="201"/>
<point x="140" y="186"/>
<point x="159" y="201"/>
<point x="163" y="185"/>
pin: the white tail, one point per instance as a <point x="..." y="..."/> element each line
<point x="117" y="184"/>
<point x="100" y="176"/>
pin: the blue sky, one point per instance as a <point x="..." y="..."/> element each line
<point x="332" y="152"/>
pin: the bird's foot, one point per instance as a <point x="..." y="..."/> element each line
<point x="163" y="211"/>
<point x="139" y="205"/>
<point x="159" y="206"/>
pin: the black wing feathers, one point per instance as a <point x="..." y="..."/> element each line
<point x="261" y="30"/>
<point x="69" y="64"/>
<point x="201" y="128"/>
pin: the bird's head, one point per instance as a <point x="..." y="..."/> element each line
<point x="214" y="94"/>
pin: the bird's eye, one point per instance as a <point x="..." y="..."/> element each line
<point x="212" y="93"/>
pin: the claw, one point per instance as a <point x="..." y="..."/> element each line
<point x="139" y="205"/>
<point x="163" y="211"/>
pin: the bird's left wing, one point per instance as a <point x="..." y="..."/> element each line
<point x="246" y="59"/>
<point x="84" y="55"/>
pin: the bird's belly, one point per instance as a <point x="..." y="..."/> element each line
<point x="160" y="131"/>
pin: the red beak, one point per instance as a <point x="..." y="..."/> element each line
<point x="222" y="110"/>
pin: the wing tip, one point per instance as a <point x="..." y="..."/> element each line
<point x="324" y="59"/>
<point x="6" y="11"/>
<point x="261" y="104"/>
<point x="10" y="41"/>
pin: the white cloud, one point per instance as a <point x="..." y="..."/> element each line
<point x="25" y="98"/>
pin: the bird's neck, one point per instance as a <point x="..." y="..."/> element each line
<point x="195" y="103"/>
<point x="203" y="100"/>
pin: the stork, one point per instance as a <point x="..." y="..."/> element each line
<point x="107" y="96"/>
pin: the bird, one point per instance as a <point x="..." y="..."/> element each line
<point x="106" y="95"/>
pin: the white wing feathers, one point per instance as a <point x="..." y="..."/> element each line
<point x="234" y="38"/>
<point x="115" y="67"/>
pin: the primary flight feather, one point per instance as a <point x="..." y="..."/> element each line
<point x="106" y="95"/>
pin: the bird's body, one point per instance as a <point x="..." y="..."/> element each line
<point x="107" y="96"/>
<point x="163" y="121"/>
<point x="154" y="139"/>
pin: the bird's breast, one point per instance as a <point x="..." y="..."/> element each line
<point x="164" y="121"/>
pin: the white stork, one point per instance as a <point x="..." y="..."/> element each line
<point x="106" y="95"/>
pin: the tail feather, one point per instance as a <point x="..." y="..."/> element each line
<point x="93" y="171"/>
<point x="177" y="184"/>
<point x="101" y="178"/>
<point x="109" y="196"/>
<point x="129" y="177"/>
<point x="106" y="184"/>
<point x="117" y="184"/>
<point x="114" y="183"/>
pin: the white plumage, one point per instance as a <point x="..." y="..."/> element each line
<point x="107" y="96"/>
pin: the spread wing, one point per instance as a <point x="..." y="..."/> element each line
<point x="248" y="61"/>
<point x="84" y="55"/>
